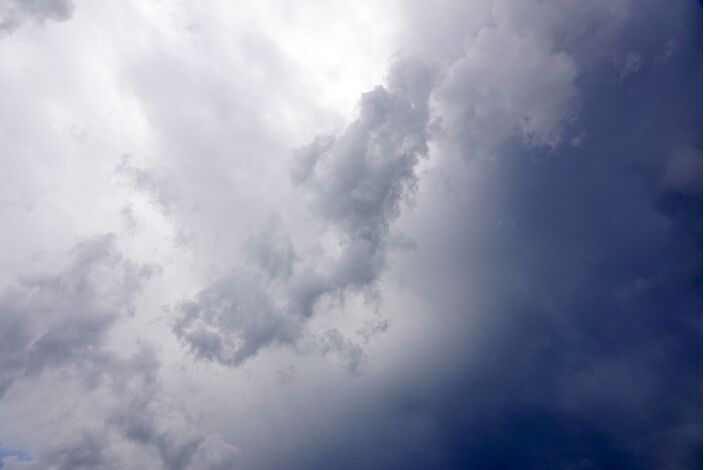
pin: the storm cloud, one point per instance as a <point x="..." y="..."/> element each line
<point x="333" y="235"/>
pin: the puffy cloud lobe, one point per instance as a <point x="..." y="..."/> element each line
<point x="332" y="343"/>
<point x="355" y="183"/>
<point x="230" y="320"/>
<point x="507" y="84"/>
<point x="14" y="12"/>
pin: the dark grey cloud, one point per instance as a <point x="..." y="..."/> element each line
<point x="562" y="284"/>
<point x="15" y="12"/>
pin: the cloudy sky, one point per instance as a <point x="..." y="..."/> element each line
<point x="326" y="234"/>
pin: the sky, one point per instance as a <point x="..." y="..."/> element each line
<point x="399" y="234"/>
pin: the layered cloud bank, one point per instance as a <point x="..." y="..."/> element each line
<point x="350" y="236"/>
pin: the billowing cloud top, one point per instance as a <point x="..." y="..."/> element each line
<point x="464" y="234"/>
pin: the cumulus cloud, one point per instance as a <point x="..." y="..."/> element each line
<point x="355" y="184"/>
<point x="506" y="85"/>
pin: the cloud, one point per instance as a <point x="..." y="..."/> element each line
<point x="178" y="445"/>
<point x="507" y="85"/>
<point x="492" y="262"/>
<point x="15" y="12"/>
<point x="61" y="320"/>
<point x="559" y="286"/>
<point x="355" y="184"/>
<point x="160" y="190"/>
